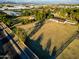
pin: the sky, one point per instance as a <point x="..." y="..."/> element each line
<point x="45" y="1"/>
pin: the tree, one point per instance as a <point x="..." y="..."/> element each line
<point x="38" y="15"/>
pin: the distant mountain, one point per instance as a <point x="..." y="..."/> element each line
<point x="40" y="2"/>
<point x="7" y="2"/>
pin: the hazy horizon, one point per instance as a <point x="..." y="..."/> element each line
<point x="44" y="1"/>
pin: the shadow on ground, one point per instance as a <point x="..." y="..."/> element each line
<point x="36" y="47"/>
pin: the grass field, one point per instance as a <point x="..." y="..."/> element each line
<point x="71" y="52"/>
<point x="25" y="17"/>
<point x="58" y="33"/>
<point x="26" y="27"/>
<point x="52" y="35"/>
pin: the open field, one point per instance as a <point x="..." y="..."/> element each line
<point x="25" y="17"/>
<point x="71" y="52"/>
<point x="26" y="27"/>
<point x="56" y="32"/>
<point x="51" y="32"/>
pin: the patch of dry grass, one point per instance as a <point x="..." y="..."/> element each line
<point x="57" y="33"/>
<point x="71" y="52"/>
<point x="25" y="17"/>
<point x="26" y="27"/>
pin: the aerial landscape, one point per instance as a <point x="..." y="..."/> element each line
<point x="39" y="29"/>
